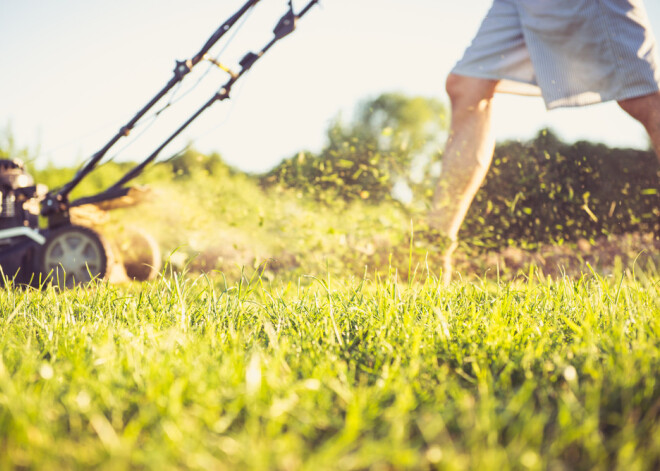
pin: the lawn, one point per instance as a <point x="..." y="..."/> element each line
<point x="195" y="372"/>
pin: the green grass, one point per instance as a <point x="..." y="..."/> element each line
<point x="190" y="373"/>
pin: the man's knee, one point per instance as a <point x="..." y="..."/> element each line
<point x="469" y="91"/>
<point x="645" y="109"/>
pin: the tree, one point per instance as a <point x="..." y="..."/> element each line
<point x="390" y="140"/>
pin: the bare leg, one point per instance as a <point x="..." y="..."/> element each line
<point x="646" y="110"/>
<point x="466" y="159"/>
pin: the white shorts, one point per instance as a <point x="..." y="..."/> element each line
<point x="572" y="52"/>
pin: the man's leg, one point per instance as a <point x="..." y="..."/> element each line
<point x="646" y="110"/>
<point x="466" y="159"/>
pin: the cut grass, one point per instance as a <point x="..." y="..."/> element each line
<point x="188" y="373"/>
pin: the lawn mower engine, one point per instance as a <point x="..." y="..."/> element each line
<point x="19" y="220"/>
<point x="17" y="188"/>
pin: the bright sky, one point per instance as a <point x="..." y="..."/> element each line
<point x="74" y="71"/>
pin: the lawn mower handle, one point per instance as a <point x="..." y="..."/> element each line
<point x="56" y="204"/>
<point x="285" y="26"/>
<point x="181" y="69"/>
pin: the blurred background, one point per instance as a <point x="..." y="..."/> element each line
<point x="74" y="71"/>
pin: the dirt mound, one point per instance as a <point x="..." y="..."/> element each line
<point x="603" y="255"/>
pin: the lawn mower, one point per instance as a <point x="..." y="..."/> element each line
<point x="40" y="241"/>
<point x="66" y="253"/>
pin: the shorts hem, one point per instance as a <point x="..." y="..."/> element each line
<point x="575" y="102"/>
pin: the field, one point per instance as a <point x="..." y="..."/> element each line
<point x="191" y="372"/>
